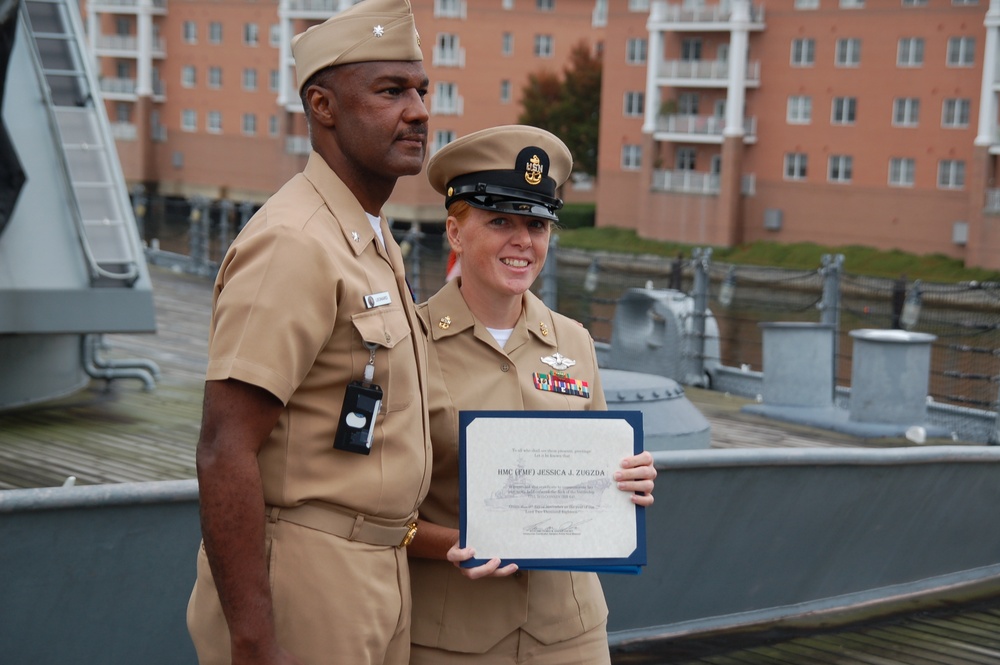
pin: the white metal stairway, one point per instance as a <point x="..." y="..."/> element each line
<point x="109" y="239"/>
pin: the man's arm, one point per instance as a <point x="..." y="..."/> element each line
<point x="237" y="419"/>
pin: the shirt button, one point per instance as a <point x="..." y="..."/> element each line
<point x="388" y="338"/>
<point x="505" y="367"/>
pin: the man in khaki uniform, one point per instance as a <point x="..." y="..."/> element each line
<point x="309" y="478"/>
<point x="492" y="344"/>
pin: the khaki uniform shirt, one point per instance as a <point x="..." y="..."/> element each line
<point x="289" y="316"/>
<point x="468" y="371"/>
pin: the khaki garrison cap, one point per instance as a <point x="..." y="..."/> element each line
<point x="513" y="168"/>
<point x="371" y="30"/>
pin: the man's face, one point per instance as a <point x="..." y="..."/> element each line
<point x="381" y="122"/>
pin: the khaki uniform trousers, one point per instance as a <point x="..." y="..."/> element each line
<point x="335" y="601"/>
<point x="520" y="648"/>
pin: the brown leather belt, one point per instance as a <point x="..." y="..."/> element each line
<point x="338" y="521"/>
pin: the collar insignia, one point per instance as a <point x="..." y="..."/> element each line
<point x="544" y="328"/>
<point x="444" y="323"/>
<point x="355" y="236"/>
<point x="378" y="31"/>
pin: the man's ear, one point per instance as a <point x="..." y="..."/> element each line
<point x="322" y="105"/>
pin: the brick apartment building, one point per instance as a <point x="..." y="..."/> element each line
<point x="869" y="122"/>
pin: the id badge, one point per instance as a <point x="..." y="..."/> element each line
<point x="362" y="402"/>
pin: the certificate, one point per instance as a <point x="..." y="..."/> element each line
<point x="537" y="489"/>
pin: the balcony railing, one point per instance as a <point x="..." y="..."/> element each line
<point x="298" y="145"/>
<point x="159" y="6"/>
<point x="993" y="200"/>
<point x="695" y="182"/>
<point x="117" y="86"/>
<point x="127" y="44"/>
<point x="664" y="14"/>
<point x="681" y="71"/>
<point x="124" y="131"/>
<point x="704" y="126"/>
<point x="449" y="57"/>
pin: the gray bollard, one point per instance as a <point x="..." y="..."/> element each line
<point x="890" y="371"/>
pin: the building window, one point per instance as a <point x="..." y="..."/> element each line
<point x="800" y="110"/>
<point x="543" y="46"/>
<point x="690" y="50"/>
<point x="840" y="168"/>
<point x="635" y="51"/>
<point x="906" y="111"/>
<point x="189" y="120"/>
<point x="914" y="3"/>
<point x="188" y="76"/>
<point x="807" y="4"/>
<point x="961" y="51"/>
<point x="687" y="103"/>
<point x="796" y="165"/>
<point x="274" y="35"/>
<point x="965" y="2"/>
<point x="249" y="124"/>
<point x="634" y="102"/>
<point x="902" y="171"/>
<point x="214" y="32"/>
<point x="214" y="77"/>
<point x="123" y="112"/>
<point x="910" y="52"/>
<point x="848" y="52"/>
<point x="446" y="100"/>
<point x="505" y="91"/>
<point x="508" y="4"/>
<point x="684" y="159"/>
<point x="214" y="122"/>
<point x="251" y="34"/>
<point x="249" y="79"/>
<point x="852" y="4"/>
<point x="803" y="52"/>
<point x="190" y="32"/>
<point x="448" y="9"/>
<point x="955" y="114"/>
<point x="274" y="80"/>
<point x="545" y="5"/>
<point x="951" y="174"/>
<point x="507" y="47"/>
<point x="638" y="5"/>
<point x="447" y="52"/>
<point x="631" y="157"/>
<point x="844" y="110"/>
<point x="123" y="26"/>
<point x="272" y="125"/>
<point x="442" y="137"/>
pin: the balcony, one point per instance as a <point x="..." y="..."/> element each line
<point x="707" y="18"/>
<point x="992" y="201"/>
<point x="695" y="182"/>
<point x="314" y="9"/>
<point x="703" y="73"/>
<point x="124" y="131"/>
<point x="126" y="46"/>
<point x="298" y="145"/>
<point x="699" y="129"/>
<point x="449" y="57"/>
<point x="157" y="7"/>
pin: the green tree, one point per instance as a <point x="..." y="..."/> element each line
<point x="568" y="106"/>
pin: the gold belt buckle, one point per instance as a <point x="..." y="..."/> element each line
<point x="411" y="531"/>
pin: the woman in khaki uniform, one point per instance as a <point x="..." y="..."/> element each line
<point x="488" y="341"/>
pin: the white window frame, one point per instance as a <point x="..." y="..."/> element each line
<point x="806" y="4"/>
<point x="248" y="124"/>
<point x="189" y="120"/>
<point x="215" y="32"/>
<point x="961" y="52"/>
<point x="544" y="46"/>
<point x="250" y="79"/>
<point x="272" y="125"/>
<point x="189" y="76"/>
<point x="840" y="169"/>
<point x="274" y="80"/>
<point x="902" y="171"/>
<point x="213" y="122"/>
<point x="190" y="32"/>
<point x="685" y="159"/>
<point x="636" y="49"/>
<point x="848" y="53"/>
<point x="796" y="166"/>
<point x="955" y="112"/>
<point x="910" y="52"/>
<point x="631" y="157"/>
<point x="844" y="111"/>
<point x="634" y="104"/>
<point x="799" y="110"/>
<point x="638" y="5"/>
<point x="951" y="174"/>
<point x="803" y="52"/>
<point x="545" y="5"/>
<point x="251" y="34"/>
<point x="506" y="91"/>
<point x="906" y="111"/>
<point x="442" y="137"/>
<point x="274" y="35"/>
<point x="215" y="77"/>
<point x="507" y="43"/>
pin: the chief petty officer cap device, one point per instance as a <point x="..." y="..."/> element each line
<point x="511" y="169"/>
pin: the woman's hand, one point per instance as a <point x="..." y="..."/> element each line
<point x="489" y="569"/>
<point x="636" y="475"/>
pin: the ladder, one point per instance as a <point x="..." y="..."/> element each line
<point x="109" y="238"/>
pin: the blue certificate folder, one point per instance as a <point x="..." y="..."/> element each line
<point x="630" y="564"/>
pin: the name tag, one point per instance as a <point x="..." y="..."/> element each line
<point x="377" y="299"/>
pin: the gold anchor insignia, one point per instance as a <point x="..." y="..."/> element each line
<point x="533" y="170"/>
<point x="418" y="37"/>
<point x="444" y="323"/>
<point x="544" y="328"/>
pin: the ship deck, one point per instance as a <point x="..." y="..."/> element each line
<point x="115" y="431"/>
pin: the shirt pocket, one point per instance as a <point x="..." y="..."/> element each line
<point x="395" y="361"/>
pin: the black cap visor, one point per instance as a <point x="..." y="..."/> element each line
<point x="507" y="200"/>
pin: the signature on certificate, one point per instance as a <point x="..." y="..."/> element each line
<point x="548" y="528"/>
